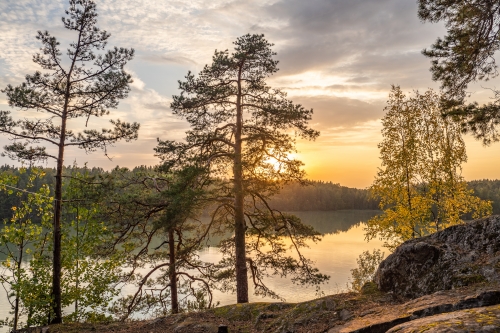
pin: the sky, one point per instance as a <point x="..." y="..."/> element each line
<point x="339" y="57"/>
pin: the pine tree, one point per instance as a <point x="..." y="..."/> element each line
<point x="87" y="84"/>
<point x="464" y="56"/>
<point x="242" y="126"/>
<point x="156" y="213"/>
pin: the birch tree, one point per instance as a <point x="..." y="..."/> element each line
<point x="420" y="185"/>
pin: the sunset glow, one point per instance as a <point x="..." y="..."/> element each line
<point x="337" y="57"/>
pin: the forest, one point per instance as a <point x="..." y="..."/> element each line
<point x="74" y="236"/>
<point x="306" y="196"/>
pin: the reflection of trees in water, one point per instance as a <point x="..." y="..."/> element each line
<point x="332" y="222"/>
<point x="326" y="222"/>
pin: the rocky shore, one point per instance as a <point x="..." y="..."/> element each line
<point x="445" y="282"/>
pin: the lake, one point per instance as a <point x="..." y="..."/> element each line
<point x="335" y="255"/>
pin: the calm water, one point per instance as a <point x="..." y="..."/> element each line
<point x="335" y="255"/>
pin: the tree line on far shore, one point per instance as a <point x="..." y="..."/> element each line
<point x="311" y="196"/>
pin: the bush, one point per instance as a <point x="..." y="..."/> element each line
<point x="367" y="266"/>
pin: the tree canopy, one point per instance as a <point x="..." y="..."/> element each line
<point x="242" y="126"/>
<point x="466" y="55"/>
<point x="420" y="186"/>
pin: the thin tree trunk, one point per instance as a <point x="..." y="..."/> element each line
<point x="16" y="305"/>
<point x="77" y="284"/>
<point x="239" y="219"/>
<point x="408" y="182"/>
<point x="57" y="266"/>
<point x="173" y="272"/>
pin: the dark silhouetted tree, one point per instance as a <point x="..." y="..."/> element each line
<point x="155" y="212"/>
<point x="466" y="55"/>
<point x="242" y="126"/>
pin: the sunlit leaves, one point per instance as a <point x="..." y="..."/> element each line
<point x="23" y="239"/>
<point x="367" y="266"/>
<point x="89" y="278"/>
<point x="420" y="186"/>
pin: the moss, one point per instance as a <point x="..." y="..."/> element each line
<point x="455" y="323"/>
<point x="466" y="280"/>
<point x="240" y="312"/>
<point x="370" y="288"/>
<point x="484" y="319"/>
<point x="427" y="327"/>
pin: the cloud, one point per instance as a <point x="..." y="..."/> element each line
<point x="338" y="57"/>
<point x="137" y="83"/>
<point x="340" y="112"/>
<point x="168" y="59"/>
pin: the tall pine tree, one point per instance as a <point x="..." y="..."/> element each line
<point x="242" y="127"/>
<point x="87" y="84"/>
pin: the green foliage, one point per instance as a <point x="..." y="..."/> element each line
<point x="466" y="55"/>
<point x="367" y="266"/>
<point x="154" y="216"/>
<point x="22" y="239"/>
<point x="241" y="125"/>
<point x="89" y="280"/>
<point x="90" y="273"/>
<point x="420" y="186"/>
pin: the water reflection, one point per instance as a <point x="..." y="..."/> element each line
<point x="332" y="222"/>
<point x="335" y="256"/>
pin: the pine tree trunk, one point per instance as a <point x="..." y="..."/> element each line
<point x="239" y="219"/>
<point x="57" y="266"/>
<point x="173" y="272"/>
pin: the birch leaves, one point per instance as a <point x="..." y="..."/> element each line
<point x="420" y="183"/>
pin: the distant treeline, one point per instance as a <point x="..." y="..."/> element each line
<point x="329" y="196"/>
<point x="322" y="196"/>
<point x="317" y="196"/>
<point x="488" y="190"/>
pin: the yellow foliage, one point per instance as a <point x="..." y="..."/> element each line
<point x="420" y="186"/>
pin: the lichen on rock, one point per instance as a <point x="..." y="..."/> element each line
<point x="458" y="256"/>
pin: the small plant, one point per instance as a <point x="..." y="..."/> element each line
<point x="367" y="266"/>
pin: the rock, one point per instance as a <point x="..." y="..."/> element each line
<point x="383" y="319"/>
<point x="345" y="315"/>
<point x="458" y="256"/>
<point x="191" y="325"/>
<point x="485" y="319"/>
<point x="38" y="329"/>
